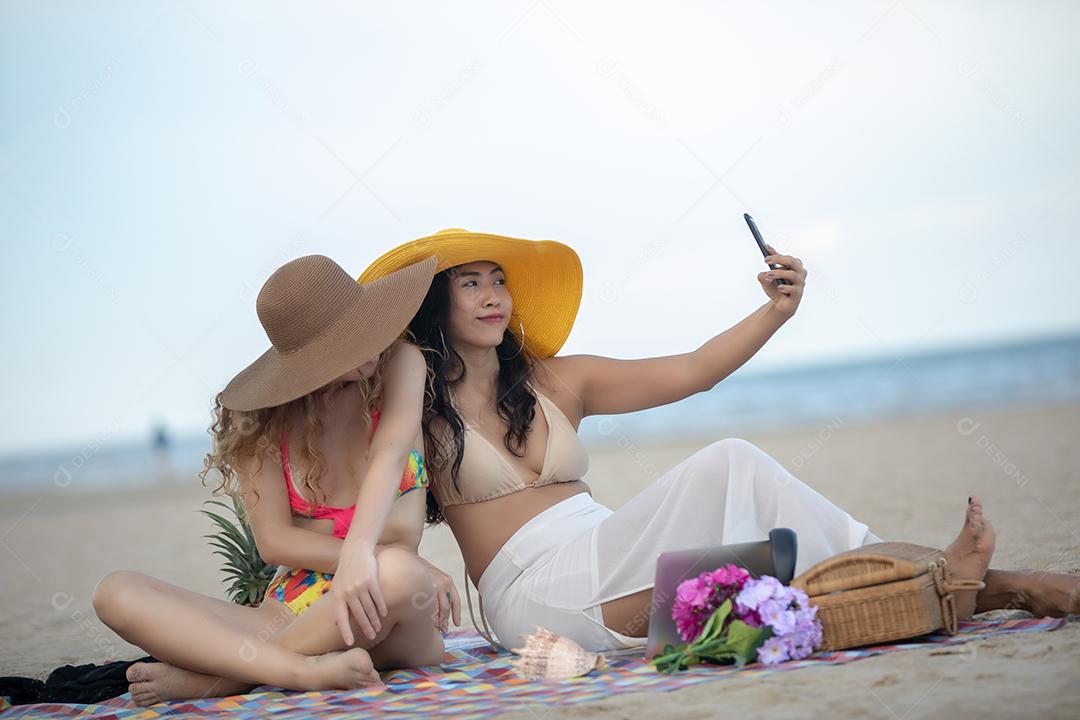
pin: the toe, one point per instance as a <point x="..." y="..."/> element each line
<point x="371" y="677"/>
<point x="135" y="673"/>
<point x="146" y="700"/>
<point x="141" y="695"/>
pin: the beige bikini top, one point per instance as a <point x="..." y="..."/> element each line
<point x="486" y="472"/>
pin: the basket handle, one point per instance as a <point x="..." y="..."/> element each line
<point x="945" y="586"/>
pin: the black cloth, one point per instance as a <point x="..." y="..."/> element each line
<point x="83" y="684"/>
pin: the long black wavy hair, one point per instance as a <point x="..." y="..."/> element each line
<point x="515" y="401"/>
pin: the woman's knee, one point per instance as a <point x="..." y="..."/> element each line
<point x="729" y="446"/>
<point x="115" y="595"/>
<point x="733" y="465"/>
<point x="402" y="577"/>
<point x="716" y="457"/>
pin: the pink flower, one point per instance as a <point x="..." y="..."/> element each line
<point x="698" y="598"/>
<point x="730" y="575"/>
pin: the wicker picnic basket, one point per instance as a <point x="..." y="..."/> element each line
<point x="882" y="592"/>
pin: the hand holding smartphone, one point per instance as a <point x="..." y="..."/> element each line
<point x="761" y="244"/>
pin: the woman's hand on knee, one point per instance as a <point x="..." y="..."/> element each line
<point x="356" y="593"/>
<point x="449" y="602"/>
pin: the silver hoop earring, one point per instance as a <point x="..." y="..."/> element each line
<point x="520" y="347"/>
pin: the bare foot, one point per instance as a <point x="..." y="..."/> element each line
<point x="340" y="671"/>
<point x="969" y="555"/>
<point x="152" y="683"/>
<point x="1039" y="592"/>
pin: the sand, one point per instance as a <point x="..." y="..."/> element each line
<point x="908" y="478"/>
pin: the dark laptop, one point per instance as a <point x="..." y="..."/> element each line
<point x="775" y="557"/>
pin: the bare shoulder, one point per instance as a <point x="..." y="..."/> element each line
<point x="561" y="379"/>
<point x="261" y="481"/>
<point x="404" y="352"/>
<point x="567" y="372"/>
<point x="405" y="359"/>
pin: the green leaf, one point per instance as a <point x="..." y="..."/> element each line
<point x="745" y="640"/>
<point x="227" y="545"/>
<point x="226" y="525"/>
<point x="715" y="626"/>
<point x="231" y="556"/>
<point x="670" y="654"/>
<point x="712" y="647"/>
<point x="228" y="528"/>
<point x="674" y="658"/>
<point x="235" y="543"/>
<point x="237" y="571"/>
<point x="722" y="658"/>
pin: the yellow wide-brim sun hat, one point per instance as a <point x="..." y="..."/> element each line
<point x="543" y="277"/>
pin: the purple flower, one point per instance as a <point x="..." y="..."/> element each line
<point x="775" y="614"/>
<point x="800" y="643"/>
<point x="800" y="597"/>
<point x="773" y="650"/>
<point x="787" y="611"/>
<point x="750" y="617"/>
<point x="753" y="594"/>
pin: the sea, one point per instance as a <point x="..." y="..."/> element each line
<point x="1034" y="372"/>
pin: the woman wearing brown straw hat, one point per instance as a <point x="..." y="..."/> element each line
<point x="326" y="422"/>
<point x="507" y="463"/>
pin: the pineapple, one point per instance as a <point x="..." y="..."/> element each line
<point x="234" y="541"/>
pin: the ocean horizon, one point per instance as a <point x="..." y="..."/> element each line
<point x="1043" y="371"/>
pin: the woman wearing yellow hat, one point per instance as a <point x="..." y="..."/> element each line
<point x="502" y="445"/>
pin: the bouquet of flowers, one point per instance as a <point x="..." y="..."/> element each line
<point x="727" y="616"/>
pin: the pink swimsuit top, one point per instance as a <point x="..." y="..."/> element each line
<point x="415" y="476"/>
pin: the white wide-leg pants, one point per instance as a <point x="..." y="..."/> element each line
<point x="558" y="568"/>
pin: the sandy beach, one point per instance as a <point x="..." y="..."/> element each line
<point x="908" y="478"/>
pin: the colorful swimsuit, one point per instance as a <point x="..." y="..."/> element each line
<point x="299" y="588"/>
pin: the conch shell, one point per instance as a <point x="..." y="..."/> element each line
<point x="547" y="656"/>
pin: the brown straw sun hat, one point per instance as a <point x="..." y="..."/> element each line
<point x="322" y="324"/>
<point x="543" y="276"/>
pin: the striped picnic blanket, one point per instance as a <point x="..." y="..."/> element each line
<point x="474" y="681"/>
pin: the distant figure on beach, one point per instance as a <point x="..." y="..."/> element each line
<point x="321" y="439"/>
<point x="162" y="449"/>
<point x="507" y="462"/>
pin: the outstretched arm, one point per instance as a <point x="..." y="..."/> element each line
<point x="608" y="386"/>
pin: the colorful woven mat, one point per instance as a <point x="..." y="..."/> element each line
<point x="475" y="682"/>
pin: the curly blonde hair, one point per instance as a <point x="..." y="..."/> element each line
<point x="242" y="437"/>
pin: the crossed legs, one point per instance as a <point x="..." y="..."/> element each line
<point x="210" y="647"/>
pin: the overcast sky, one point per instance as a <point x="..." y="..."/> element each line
<point x="158" y="160"/>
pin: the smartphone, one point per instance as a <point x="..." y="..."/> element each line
<point x="761" y="245"/>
